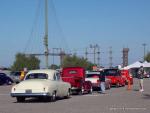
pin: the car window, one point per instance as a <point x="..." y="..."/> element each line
<point x="3" y="75"/>
<point x="92" y="75"/>
<point x="15" y="73"/>
<point x="37" y="76"/>
<point x="111" y="72"/>
<point x="56" y="76"/>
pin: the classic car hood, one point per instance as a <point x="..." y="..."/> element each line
<point x="33" y="83"/>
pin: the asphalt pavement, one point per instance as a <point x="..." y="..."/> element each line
<point x="116" y="100"/>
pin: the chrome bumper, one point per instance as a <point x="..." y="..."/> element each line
<point x="29" y="95"/>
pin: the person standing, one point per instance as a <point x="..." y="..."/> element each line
<point x="102" y="82"/>
<point x="140" y="77"/>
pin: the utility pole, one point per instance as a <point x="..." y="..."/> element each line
<point x="98" y="56"/>
<point x="56" y="52"/>
<point x="62" y="56"/>
<point x="144" y="45"/>
<point x="75" y="52"/>
<point x="46" y="34"/>
<point x="46" y="53"/>
<point x="110" y="57"/>
<point x="86" y="53"/>
<point x="94" y="50"/>
<point x="53" y="55"/>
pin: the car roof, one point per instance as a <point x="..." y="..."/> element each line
<point x="2" y="74"/>
<point x="49" y="72"/>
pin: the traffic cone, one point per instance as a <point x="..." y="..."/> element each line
<point x="129" y="85"/>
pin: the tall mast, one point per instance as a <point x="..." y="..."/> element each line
<point x="46" y="34"/>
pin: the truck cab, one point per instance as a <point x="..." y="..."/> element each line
<point x="76" y="77"/>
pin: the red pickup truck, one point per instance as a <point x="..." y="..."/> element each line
<point x="115" y="76"/>
<point x="76" y="77"/>
<point x="126" y="74"/>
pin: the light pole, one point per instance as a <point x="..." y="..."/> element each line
<point x="46" y="34"/>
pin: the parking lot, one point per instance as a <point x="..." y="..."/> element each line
<point x="116" y="100"/>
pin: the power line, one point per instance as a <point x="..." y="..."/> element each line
<point x="61" y="54"/>
<point x="58" y="25"/>
<point x="33" y="26"/>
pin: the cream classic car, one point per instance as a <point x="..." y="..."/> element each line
<point x="44" y="84"/>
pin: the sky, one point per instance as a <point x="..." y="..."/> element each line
<point x="75" y="25"/>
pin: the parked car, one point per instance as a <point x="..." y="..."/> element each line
<point x="76" y="77"/>
<point x="44" y="83"/>
<point x="94" y="77"/>
<point x="15" y="75"/>
<point x="5" y="79"/>
<point x="127" y="76"/>
<point x="115" y="76"/>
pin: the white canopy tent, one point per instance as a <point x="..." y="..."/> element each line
<point x="146" y="64"/>
<point x="134" y="65"/>
<point x="137" y="64"/>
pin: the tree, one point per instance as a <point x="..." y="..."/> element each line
<point x="73" y="61"/>
<point x="22" y="61"/>
<point x="54" y="66"/>
<point x="147" y="57"/>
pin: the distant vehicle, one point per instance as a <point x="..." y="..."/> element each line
<point x="94" y="77"/>
<point x="5" y="79"/>
<point x="76" y="77"/>
<point x="15" y="75"/>
<point x="127" y="76"/>
<point x="115" y="76"/>
<point x="44" y="84"/>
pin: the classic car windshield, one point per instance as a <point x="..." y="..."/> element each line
<point x="37" y="76"/>
<point x="111" y="72"/>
